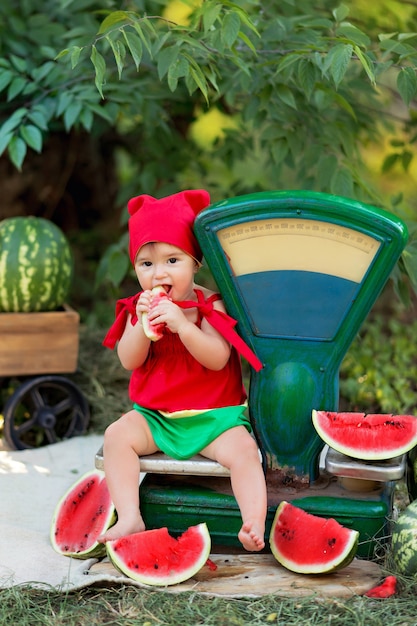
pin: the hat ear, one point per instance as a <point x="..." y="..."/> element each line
<point x="197" y="199"/>
<point x="137" y="203"/>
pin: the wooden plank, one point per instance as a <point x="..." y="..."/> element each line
<point x="39" y="343"/>
<point x="256" y="575"/>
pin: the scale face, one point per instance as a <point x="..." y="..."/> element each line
<point x="300" y="272"/>
<point x="297" y="262"/>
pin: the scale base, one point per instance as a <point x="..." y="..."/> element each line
<point x="178" y="502"/>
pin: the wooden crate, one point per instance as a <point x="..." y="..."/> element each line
<point x="39" y="343"/>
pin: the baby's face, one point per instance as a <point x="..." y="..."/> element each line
<point x="159" y="263"/>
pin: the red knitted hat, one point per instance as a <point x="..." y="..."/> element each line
<point x="169" y="220"/>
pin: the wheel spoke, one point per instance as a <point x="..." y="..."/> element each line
<point x="63" y="405"/>
<point x="50" y="435"/>
<point x="36" y="397"/>
<point x="26" y="425"/>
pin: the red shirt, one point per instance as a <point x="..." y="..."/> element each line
<point x="171" y="379"/>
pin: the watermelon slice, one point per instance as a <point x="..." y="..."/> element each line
<point x="81" y="516"/>
<point x="154" y="557"/>
<point x="154" y="332"/>
<point x="372" y="437"/>
<point x="308" y="544"/>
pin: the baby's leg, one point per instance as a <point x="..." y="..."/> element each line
<point x="238" y="451"/>
<point x="124" y="441"/>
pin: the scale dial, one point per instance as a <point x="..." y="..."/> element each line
<point x="303" y="245"/>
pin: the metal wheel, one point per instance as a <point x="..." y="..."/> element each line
<point x="44" y="410"/>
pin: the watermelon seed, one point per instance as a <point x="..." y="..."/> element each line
<point x="331" y="542"/>
<point x="156" y="565"/>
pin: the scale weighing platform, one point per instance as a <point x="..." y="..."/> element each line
<point x="300" y="271"/>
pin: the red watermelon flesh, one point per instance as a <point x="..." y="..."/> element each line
<point x="371" y="437"/>
<point x="154" y="557"/>
<point x="308" y="544"/>
<point x="154" y="332"/>
<point x="81" y="516"/>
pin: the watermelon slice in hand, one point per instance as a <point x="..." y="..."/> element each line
<point x="154" y="557"/>
<point x="372" y="437"/>
<point x="154" y="332"/>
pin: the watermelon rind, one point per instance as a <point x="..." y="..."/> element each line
<point x="290" y="543"/>
<point x="404" y="541"/>
<point x="372" y="437"/>
<point x="36" y="265"/>
<point x="84" y="513"/>
<point x="155" y="558"/>
<point x="153" y="331"/>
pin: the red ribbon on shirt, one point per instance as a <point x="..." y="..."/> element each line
<point x="222" y="322"/>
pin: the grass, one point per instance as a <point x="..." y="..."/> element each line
<point x="129" y="606"/>
<point x="104" y="383"/>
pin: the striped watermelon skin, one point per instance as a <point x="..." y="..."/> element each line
<point x="36" y="265"/>
<point x="404" y="541"/>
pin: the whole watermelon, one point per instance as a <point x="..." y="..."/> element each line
<point x="35" y="265"/>
<point x="404" y="541"/>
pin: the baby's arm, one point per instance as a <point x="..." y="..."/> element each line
<point x="133" y="346"/>
<point x="206" y="344"/>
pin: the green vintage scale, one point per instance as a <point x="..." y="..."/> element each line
<point x="299" y="271"/>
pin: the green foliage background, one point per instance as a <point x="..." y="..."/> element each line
<point x="308" y="87"/>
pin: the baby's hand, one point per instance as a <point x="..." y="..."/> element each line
<point x="167" y="312"/>
<point x="144" y="302"/>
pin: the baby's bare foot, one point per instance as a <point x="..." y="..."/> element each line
<point x="251" y="536"/>
<point x="123" y="528"/>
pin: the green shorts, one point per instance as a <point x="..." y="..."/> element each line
<point x="182" y="437"/>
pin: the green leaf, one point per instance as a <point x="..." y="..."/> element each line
<point x="5" y="79"/>
<point x="406" y="159"/>
<point x="166" y="58"/>
<point x="353" y="34"/>
<point x="230" y="28"/>
<point x="307" y="76"/>
<point x="407" y="84"/>
<point x="177" y="70"/>
<point x="338" y="61"/>
<point x="135" y="46"/>
<point x="75" y="55"/>
<point x="119" y="53"/>
<point x="32" y="136"/>
<point x="211" y="14"/>
<point x="4" y="141"/>
<point x="366" y="64"/>
<point x="341" y="183"/>
<point x="198" y="77"/>
<point x="113" y="266"/>
<point x="17" y="151"/>
<point x="279" y="150"/>
<point x="247" y="41"/>
<point x="39" y="119"/>
<point x="341" y="12"/>
<point x="19" y="63"/>
<point x="43" y="70"/>
<point x="71" y="114"/>
<point x="100" y="69"/>
<point x="285" y="94"/>
<point x="13" y="121"/>
<point x="116" y="17"/>
<point x="144" y="36"/>
<point x="16" y="87"/>
<point x="87" y="119"/>
<point x="64" y="100"/>
<point x="389" y="162"/>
